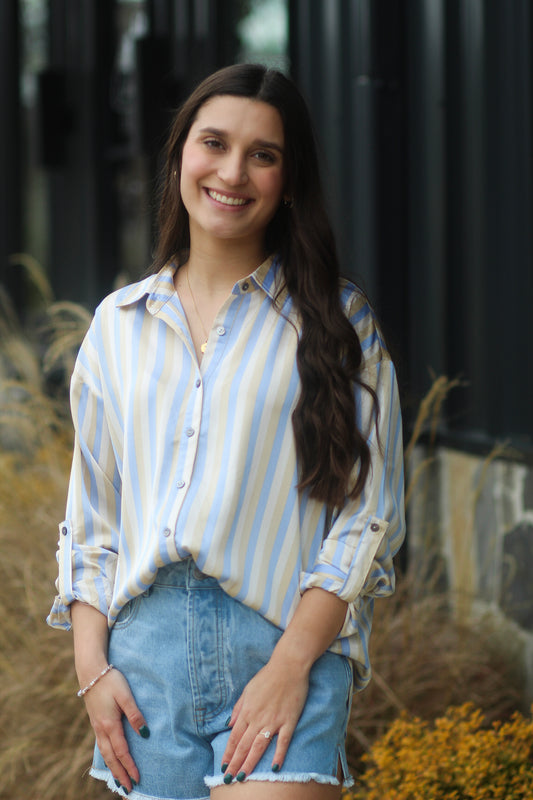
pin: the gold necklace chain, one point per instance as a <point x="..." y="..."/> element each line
<point x="203" y="346"/>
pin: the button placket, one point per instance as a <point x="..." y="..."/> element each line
<point x="190" y="440"/>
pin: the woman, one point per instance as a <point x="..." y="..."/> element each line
<point x="236" y="495"/>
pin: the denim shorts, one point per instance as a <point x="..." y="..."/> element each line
<point x="188" y="650"/>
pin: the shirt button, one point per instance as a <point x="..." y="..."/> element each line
<point x="190" y="432"/>
<point x="198" y="382"/>
<point x="245" y="286"/>
<point x="167" y="532"/>
<point x="64" y="531"/>
<point x="374" y="527"/>
<point x="180" y="484"/>
<point x="221" y="330"/>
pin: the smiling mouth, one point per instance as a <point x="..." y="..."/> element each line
<point x="226" y="200"/>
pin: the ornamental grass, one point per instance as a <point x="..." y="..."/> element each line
<point x="46" y="742"/>
<point x="423" y="660"/>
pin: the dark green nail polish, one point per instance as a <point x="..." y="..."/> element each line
<point x="225" y="765"/>
<point x="117" y="783"/>
<point x="144" y="731"/>
<point x="125" y="790"/>
<point x="275" y="767"/>
<point x="134" y="781"/>
<point x="227" y="722"/>
<point x="241" y="776"/>
<point x="228" y="778"/>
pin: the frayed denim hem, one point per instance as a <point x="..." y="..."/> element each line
<point x="288" y="777"/>
<point x="104" y="775"/>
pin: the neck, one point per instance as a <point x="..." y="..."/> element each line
<point x="217" y="268"/>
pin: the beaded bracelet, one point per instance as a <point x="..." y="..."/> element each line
<point x="95" y="680"/>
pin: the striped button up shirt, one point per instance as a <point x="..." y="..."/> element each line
<point x="173" y="459"/>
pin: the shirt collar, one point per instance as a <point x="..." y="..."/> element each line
<point x="159" y="288"/>
<point x="269" y="277"/>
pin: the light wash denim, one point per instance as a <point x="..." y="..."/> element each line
<point x="188" y="650"/>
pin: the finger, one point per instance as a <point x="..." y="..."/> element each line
<point x="124" y="757"/>
<point x="236" y="711"/>
<point x="118" y="761"/>
<point x="114" y="748"/>
<point x="236" y="760"/>
<point x="256" y="751"/>
<point x="238" y="731"/>
<point x="282" y="745"/>
<point x="134" y="716"/>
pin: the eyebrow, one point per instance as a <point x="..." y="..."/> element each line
<point x="257" y="142"/>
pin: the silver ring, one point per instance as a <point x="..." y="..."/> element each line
<point x="266" y="734"/>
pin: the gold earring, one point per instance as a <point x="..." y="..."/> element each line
<point x="288" y="202"/>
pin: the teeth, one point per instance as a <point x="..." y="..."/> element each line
<point x="229" y="201"/>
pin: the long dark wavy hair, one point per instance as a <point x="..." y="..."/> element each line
<point x="329" y="354"/>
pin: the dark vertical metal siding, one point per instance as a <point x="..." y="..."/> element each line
<point x="10" y="181"/>
<point x="332" y="63"/>
<point x="427" y="191"/>
<point x="489" y="234"/>
<point x="424" y="111"/>
<point x="466" y="256"/>
<point x="187" y="39"/>
<point x="509" y="217"/>
<point x="83" y="221"/>
<point x="360" y="191"/>
<point x="348" y="58"/>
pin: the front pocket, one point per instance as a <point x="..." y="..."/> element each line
<point x="128" y="613"/>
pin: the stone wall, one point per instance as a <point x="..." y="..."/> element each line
<point x="471" y="520"/>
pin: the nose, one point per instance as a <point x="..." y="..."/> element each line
<point x="232" y="170"/>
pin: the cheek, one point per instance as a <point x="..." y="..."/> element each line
<point x="193" y="166"/>
<point x="272" y="186"/>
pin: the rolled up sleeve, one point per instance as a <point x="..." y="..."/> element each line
<point x="355" y="561"/>
<point x="88" y="537"/>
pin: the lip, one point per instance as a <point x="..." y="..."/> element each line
<point x="227" y="200"/>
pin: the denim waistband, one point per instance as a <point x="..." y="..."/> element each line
<point x="184" y="575"/>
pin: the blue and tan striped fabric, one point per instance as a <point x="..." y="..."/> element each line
<point x="174" y="458"/>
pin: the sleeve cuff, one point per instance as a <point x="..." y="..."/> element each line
<point x="59" y="616"/>
<point x="347" y="570"/>
<point x="83" y="575"/>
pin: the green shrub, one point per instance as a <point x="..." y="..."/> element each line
<point x="455" y="758"/>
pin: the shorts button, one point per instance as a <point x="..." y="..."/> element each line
<point x="245" y="286"/>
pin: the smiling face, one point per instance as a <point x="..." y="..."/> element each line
<point x="232" y="170"/>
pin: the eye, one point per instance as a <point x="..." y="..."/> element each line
<point x="264" y="156"/>
<point x="213" y="144"/>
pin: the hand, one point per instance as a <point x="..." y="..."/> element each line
<point x="106" y="703"/>
<point x="272" y="701"/>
